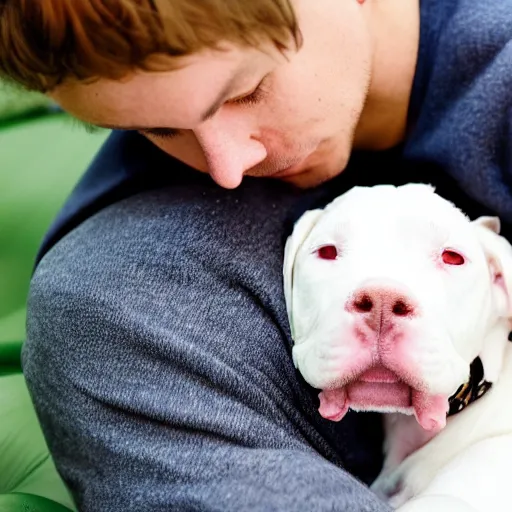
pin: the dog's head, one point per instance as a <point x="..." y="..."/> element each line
<point x="391" y="293"/>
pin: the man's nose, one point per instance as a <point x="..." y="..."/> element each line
<point x="229" y="149"/>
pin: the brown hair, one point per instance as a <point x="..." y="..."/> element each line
<point x="44" y="42"/>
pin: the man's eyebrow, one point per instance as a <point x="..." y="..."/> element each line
<point x="207" y="114"/>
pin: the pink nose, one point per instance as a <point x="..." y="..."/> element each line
<point x="381" y="307"/>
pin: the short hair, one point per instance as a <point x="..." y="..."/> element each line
<point x="45" y="42"/>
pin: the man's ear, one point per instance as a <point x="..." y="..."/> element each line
<point x="498" y="252"/>
<point x="300" y="232"/>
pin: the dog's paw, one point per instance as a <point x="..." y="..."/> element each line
<point x="402" y="484"/>
<point x="389" y="487"/>
<point x="399" y="499"/>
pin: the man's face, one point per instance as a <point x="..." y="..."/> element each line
<point x="244" y="111"/>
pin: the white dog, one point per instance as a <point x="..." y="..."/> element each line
<point x="398" y="303"/>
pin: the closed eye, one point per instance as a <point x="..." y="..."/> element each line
<point x="253" y="97"/>
<point x="162" y="133"/>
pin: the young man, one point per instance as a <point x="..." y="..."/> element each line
<point x="158" y="350"/>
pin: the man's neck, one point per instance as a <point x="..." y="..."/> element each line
<point x="395" y="25"/>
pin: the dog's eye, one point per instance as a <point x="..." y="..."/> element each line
<point x="452" y="257"/>
<point x="327" y="252"/>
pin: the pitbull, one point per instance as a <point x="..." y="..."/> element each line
<point x="398" y="303"/>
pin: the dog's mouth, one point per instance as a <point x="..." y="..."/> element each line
<point x="380" y="389"/>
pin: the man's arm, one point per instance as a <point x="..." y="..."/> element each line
<point x="159" y="362"/>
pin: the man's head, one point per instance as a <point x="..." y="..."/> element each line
<point x="392" y="293"/>
<point x="269" y="88"/>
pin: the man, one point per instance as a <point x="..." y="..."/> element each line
<point x="158" y="350"/>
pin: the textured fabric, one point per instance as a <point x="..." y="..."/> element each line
<point x="158" y="355"/>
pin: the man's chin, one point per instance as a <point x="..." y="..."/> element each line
<point x="310" y="178"/>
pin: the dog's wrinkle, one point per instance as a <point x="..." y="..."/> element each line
<point x="379" y="323"/>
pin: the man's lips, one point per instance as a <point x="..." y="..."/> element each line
<point x="378" y="388"/>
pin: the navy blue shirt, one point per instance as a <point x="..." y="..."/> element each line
<point x="459" y="134"/>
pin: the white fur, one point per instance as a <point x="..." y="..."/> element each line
<point x="395" y="235"/>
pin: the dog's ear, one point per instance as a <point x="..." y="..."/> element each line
<point x="301" y="230"/>
<point x="498" y="252"/>
<point x="492" y="223"/>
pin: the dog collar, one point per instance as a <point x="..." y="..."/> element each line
<point x="472" y="390"/>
